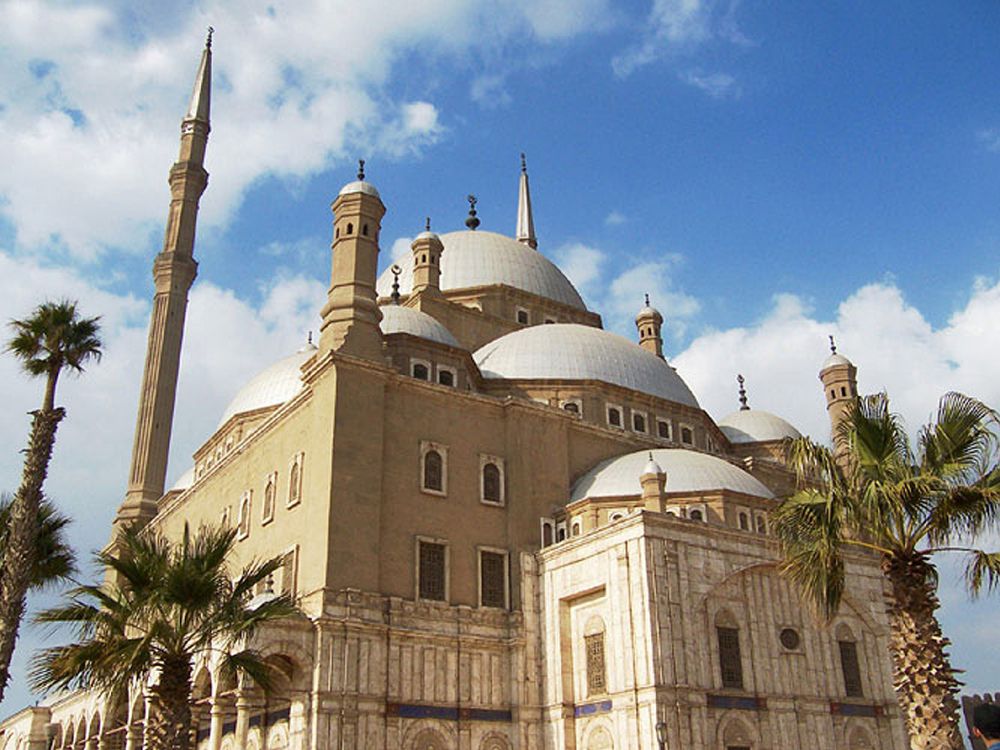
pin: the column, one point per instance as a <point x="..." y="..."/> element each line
<point x="244" y="705"/>
<point x="217" y="718"/>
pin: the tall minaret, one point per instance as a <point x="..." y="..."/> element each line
<point x="173" y="272"/>
<point x="650" y="322"/>
<point x="525" y="221"/>
<point x="840" y="387"/>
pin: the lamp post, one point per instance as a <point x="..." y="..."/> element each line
<point x="661" y="734"/>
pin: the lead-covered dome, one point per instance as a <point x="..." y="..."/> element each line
<point x="270" y="387"/>
<point x="569" y="351"/>
<point x="398" y="319"/>
<point x="473" y="259"/>
<point x="687" y="472"/>
<point x="753" y="425"/>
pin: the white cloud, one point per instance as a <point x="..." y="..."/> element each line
<point x="619" y="297"/>
<point x="716" y="85"/>
<point x="89" y="112"/>
<point x="990" y="139"/>
<point x="489" y="91"/>
<point x="615" y="218"/>
<point x="679" y="26"/>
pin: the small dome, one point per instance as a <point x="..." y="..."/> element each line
<point x="833" y="360"/>
<point x="473" y="259"/>
<point x="569" y="351"/>
<point x="271" y="387"/>
<point x="753" y="426"/>
<point x="184" y="481"/>
<point x="649" y="312"/>
<point x="687" y="471"/>
<point x="397" y="319"/>
<point x="428" y="235"/>
<point x="651" y="467"/>
<point x="359" y="186"/>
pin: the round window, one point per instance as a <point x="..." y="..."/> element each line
<point x="789" y="638"/>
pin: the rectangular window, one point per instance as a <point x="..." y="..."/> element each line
<point x="493" y="579"/>
<point x="522" y="316"/>
<point x="431" y="571"/>
<point x="638" y="421"/>
<point x="851" y="669"/>
<point x="615" y="416"/>
<point x="287" y="573"/>
<point x="729" y="658"/>
<point x="596" y="677"/>
<point x="663" y="429"/>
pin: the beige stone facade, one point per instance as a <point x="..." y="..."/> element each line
<point x="507" y="528"/>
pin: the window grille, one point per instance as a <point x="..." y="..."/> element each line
<point x="851" y="669"/>
<point x="433" y="471"/>
<point x="614" y="417"/>
<point x="493" y="579"/>
<point x="663" y="430"/>
<point x="638" y="423"/>
<point x="491" y="483"/>
<point x="596" y="678"/>
<point x="432" y="571"/>
<point x="729" y="657"/>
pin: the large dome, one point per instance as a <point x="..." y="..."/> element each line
<point x="753" y="425"/>
<point x="270" y="387"/>
<point x="569" y="351"/>
<point x="687" y="471"/>
<point x="473" y="259"/>
<point x="398" y="319"/>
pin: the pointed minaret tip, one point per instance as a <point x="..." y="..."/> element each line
<point x="201" y="96"/>
<point x="525" y="221"/>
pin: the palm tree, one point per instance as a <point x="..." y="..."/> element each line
<point x="55" y="560"/>
<point x="874" y="493"/>
<point x="161" y="604"/>
<point x="52" y="339"/>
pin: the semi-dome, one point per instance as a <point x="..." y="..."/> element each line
<point x="569" y="351"/>
<point x="753" y="425"/>
<point x="271" y="387"/>
<point x="398" y="319"/>
<point x="474" y="258"/>
<point x="687" y="471"/>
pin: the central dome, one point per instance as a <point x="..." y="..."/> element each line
<point x="473" y="259"/>
<point x="569" y="351"/>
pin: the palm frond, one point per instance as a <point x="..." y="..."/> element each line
<point x="982" y="569"/>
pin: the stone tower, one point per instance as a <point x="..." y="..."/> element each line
<point x="525" y="221"/>
<point x="174" y="269"/>
<point x="650" y="325"/>
<point x="427" y="248"/>
<point x="351" y="315"/>
<point x="840" y="386"/>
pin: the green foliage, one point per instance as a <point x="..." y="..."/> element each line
<point x="885" y="496"/>
<point x="161" y="604"/>
<point x="55" y="337"/>
<point x="55" y="560"/>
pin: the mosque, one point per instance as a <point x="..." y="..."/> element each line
<point x="508" y="528"/>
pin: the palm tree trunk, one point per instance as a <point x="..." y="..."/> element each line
<point x="925" y="682"/>
<point x="19" y="557"/>
<point x="173" y="696"/>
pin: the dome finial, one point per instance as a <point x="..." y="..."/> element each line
<point x="208" y="39"/>
<point x="427" y="224"/>
<point x="473" y="221"/>
<point x="309" y="338"/>
<point x="361" y="170"/>
<point x="396" y="270"/>
<point x="743" y="394"/>
<point x="524" y="164"/>
<point x="833" y="345"/>
<point x="646" y="297"/>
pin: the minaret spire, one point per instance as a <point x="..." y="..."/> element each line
<point x="174" y="270"/>
<point x="525" y="220"/>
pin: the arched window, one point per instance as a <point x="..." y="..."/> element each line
<point x="638" y="422"/>
<point x="421" y="371"/>
<point x="560" y="533"/>
<point x="577" y="528"/>
<point x="696" y="515"/>
<point x="546" y="533"/>
<point x="687" y="437"/>
<point x="446" y="377"/>
<point x="350" y="228"/>
<point x="433" y="471"/>
<point x="243" y="520"/>
<point x="364" y="229"/>
<point x="744" y="522"/>
<point x="267" y="511"/>
<point x="572" y="407"/>
<point x="492" y="483"/>
<point x="761" y="525"/>
<point x="295" y="481"/>
<point x="850" y="667"/>
<point x="593" y="644"/>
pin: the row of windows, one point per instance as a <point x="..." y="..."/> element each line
<point x="434" y="473"/>
<point x="271" y="486"/>
<point x="433" y="573"/>
<point x="349" y="230"/>
<point x="421" y="370"/>
<point x="640" y="423"/>
<point x="731" y="662"/>
<point x="523" y="316"/>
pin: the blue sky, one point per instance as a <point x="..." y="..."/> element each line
<point x="769" y="172"/>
